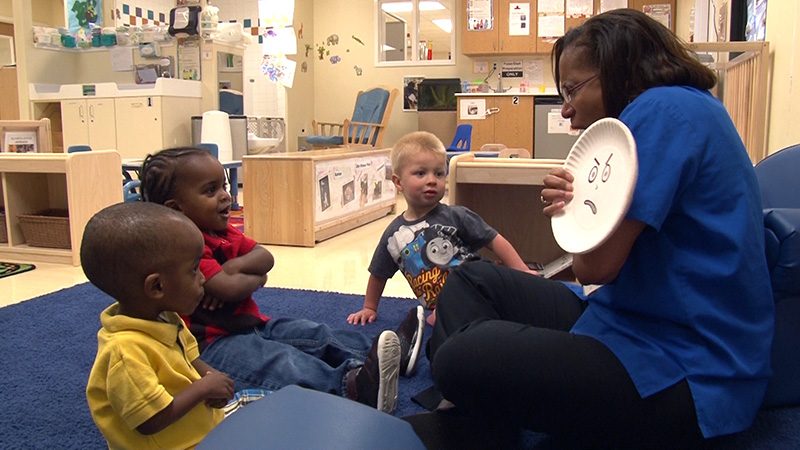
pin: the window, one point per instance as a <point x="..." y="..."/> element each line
<point x="415" y="32"/>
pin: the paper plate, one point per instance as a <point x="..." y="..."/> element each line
<point x="604" y="163"/>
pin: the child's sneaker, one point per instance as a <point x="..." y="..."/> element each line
<point x="410" y="334"/>
<point x="375" y="383"/>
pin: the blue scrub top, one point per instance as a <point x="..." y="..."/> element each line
<point x="693" y="299"/>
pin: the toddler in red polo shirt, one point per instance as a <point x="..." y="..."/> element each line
<point x="256" y="351"/>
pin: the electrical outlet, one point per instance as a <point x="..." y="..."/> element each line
<point x="494" y="66"/>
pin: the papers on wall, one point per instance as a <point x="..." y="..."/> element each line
<point x="278" y="70"/>
<point x="660" y="13"/>
<point x="121" y="59"/>
<point x="580" y="8"/>
<point x="472" y="108"/>
<point x="551" y="18"/>
<point x="479" y="15"/>
<point x="608" y="5"/>
<point x="519" y="16"/>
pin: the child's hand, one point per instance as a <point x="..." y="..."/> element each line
<point x="218" y="388"/>
<point x="211" y="303"/>
<point x="362" y="317"/>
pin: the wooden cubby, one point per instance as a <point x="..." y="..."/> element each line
<point x="82" y="183"/>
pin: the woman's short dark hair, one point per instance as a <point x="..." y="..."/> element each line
<point x="633" y="53"/>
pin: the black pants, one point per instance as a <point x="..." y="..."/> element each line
<point x="501" y="346"/>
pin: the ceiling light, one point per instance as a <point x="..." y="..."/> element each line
<point x="444" y="24"/>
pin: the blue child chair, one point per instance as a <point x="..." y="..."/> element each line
<point x="462" y="141"/>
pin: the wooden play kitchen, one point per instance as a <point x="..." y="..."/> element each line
<point x="36" y="185"/>
<point x="302" y="198"/>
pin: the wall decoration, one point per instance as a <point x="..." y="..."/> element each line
<point x="82" y="13"/>
<point x="321" y="50"/>
<point x="357" y="39"/>
<point x="358" y="70"/>
<point x="304" y="67"/>
<point x="308" y="49"/>
<point x="335" y="59"/>
<point x="278" y="70"/>
<point x="332" y="40"/>
<point x="411" y="92"/>
<point x="300" y="31"/>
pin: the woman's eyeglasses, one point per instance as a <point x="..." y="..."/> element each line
<point x="568" y="94"/>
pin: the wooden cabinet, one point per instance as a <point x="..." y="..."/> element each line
<point x="509" y="122"/>
<point x="82" y="183"/>
<point x="497" y="40"/>
<point x="89" y="122"/>
<point x="148" y="124"/>
<point x="488" y="186"/>
<point x="301" y="198"/>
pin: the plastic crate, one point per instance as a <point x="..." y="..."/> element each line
<point x="48" y="228"/>
<point x="268" y="127"/>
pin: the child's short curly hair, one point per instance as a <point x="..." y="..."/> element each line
<point x="159" y="172"/>
<point x="412" y="144"/>
<point x="125" y="242"/>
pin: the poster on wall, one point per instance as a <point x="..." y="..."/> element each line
<point x="519" y="16"/>
<point x="411" y="92"/>
<point x="345" y="186"/>
<point x="189" y="59"/>
<point x="83" y="14"/>
<point x="479" y="15"/>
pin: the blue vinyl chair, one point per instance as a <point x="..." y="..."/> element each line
<point x="777" y="178"/>
<point x="130" y="187"/>
<point x="232" y="102"/>
<point x="462" y="141"/>
<point x="366" y="127"/>
<point x="299" y="418"/>
<point x="213" y="148"/>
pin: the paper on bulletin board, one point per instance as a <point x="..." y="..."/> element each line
<point x="608" y="5"/>
<point x="550" y="7"/>
<point x="519" y="17"/>
<point x="472" y="108"/>
<point x="580" y="8"/>
<point x="479" y="15"/>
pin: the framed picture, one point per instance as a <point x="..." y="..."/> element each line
<point x="411" y="92"/>
<point x="25" y="136"/>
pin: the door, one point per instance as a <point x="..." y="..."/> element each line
<point x="101" y="124"/>
<point x="139" y="130"/>
<point x="482" y="125"/>
<point x="478" y="41"/>
<point x="513" y="125"/>
<point x="74" y="123"/>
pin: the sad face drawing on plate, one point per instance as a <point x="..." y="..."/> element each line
<point x="599" y="174"/>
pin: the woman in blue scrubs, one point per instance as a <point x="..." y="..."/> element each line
<point x="674" y="347"/>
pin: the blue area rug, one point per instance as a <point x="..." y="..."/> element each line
<point x="49" y="345"/>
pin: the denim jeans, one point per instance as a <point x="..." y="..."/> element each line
<point x="289" y="351"/>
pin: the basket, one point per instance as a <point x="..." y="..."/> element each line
<point x="48" y="228"/>
<point x="268" y="127"/>
<point x="3" y="229"/>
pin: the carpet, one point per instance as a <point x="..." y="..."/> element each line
<point x="8" y="269"/>
<point x="49" y="345"/>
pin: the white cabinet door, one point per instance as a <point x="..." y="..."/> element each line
<point x="139" y="126"/>
<point x="102" y="124"/>
<point x="74" y="123"/>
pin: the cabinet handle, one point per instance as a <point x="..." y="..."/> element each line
<point x="91" y="113"/>
<point x="490" y="111"/>
<point x="80" y="112"/>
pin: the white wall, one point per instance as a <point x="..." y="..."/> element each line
<point x="783" y="34"/>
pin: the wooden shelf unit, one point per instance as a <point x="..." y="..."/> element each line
<point x="506" y="193"/>
<point x="283" y="200"/>
<point x="82" y="183"/>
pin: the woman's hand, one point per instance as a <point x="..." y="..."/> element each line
<point x="557" y="190"/>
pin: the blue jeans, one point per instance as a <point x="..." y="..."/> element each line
<point x="289" y="351"/>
